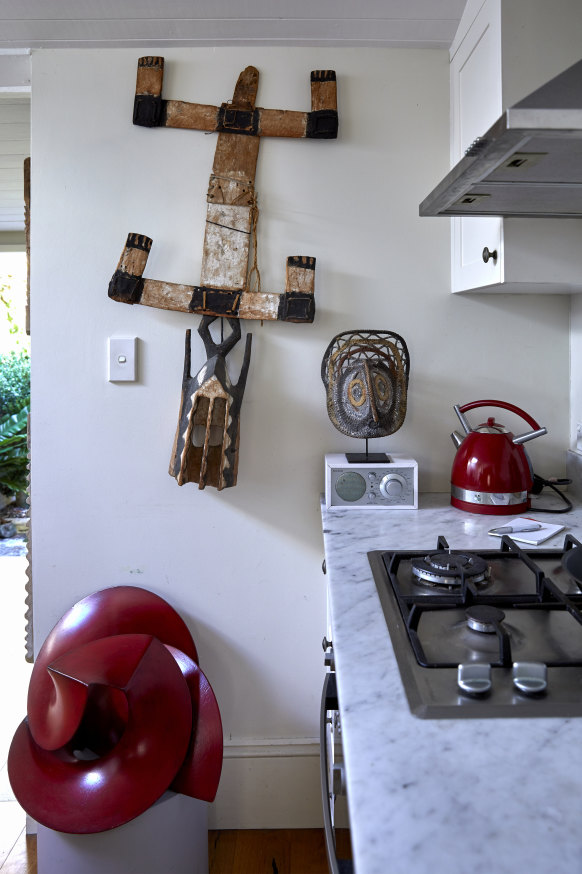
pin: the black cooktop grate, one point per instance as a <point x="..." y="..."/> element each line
<point x="531" y="624"/>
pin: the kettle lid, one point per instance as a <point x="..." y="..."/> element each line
<point x="491" y="427"/>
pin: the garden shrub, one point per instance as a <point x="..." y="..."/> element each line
<point x="14" y="382"/>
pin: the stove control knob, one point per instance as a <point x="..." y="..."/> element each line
<point x="338" y="779"/>
<point x="530" y="678"/>
<point x="328" y="659"/>
<point x="372" y="496"/>
<point x="393" y="485"/>
<point x="474" y="679"/>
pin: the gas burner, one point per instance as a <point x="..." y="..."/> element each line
<point x="511" y="615"/>
<point x="450" y="569"/>
<point x="484" y="618"/>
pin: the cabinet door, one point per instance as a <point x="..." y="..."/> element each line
<point x="476" y="103"/>
<point x="470" y="237"/>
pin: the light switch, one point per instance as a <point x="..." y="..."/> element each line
<point x="122" y="359"/>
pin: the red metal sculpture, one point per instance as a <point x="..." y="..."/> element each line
<point x="118" y="712"/>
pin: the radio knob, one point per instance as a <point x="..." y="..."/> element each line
<point x="392" y="485"/>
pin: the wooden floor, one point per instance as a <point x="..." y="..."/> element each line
<point x="281" y="851"/>
<point x="21" y="858"/>
<point x="284" y="851"/>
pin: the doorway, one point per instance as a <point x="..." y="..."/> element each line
<point x="14" y="397"/>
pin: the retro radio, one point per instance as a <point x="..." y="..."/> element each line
<point x="387" y="484"/>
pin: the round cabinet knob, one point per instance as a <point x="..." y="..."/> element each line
<point x="487" y="254"/>
<point x="393" y="485"/>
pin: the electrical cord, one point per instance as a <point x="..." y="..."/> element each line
<point x="540" y="483"/>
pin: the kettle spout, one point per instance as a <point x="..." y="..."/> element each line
<point x="456" y="438"/>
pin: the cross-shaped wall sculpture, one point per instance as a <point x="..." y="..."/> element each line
<point x="232" y="207"/>
<point x="206" y="443"/>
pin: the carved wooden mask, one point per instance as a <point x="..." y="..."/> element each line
<point x="207" y="438"/>
<point x="365" y="374"/>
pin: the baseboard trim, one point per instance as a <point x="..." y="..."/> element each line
<point x="271" y="748"/>
<point x="268" y="783"/>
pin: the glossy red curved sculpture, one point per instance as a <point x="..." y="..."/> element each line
<point x="118" y="712"/>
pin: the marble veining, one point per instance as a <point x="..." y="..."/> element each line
<point x="440" y="796"/>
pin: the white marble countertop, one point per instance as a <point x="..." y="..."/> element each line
<point x="441" y="796"/>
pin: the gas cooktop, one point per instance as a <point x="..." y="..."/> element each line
<point x="493" y="633"/>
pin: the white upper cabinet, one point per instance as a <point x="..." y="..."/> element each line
<point x="503" y="50"/>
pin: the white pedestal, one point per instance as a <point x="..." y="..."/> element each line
<point x="169" y="838"/>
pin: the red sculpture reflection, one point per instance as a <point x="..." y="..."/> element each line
<point x="118" y="712"/>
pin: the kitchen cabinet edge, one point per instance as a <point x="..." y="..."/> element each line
<point x="521" y="288"/>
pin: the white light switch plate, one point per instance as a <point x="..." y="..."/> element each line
<point x="121" y="359"/>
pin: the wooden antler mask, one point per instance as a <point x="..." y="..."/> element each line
<point x="207" y="438"/>
<point x="365" y="374"/>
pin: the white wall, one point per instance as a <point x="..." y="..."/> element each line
<point x="243" y="565"/>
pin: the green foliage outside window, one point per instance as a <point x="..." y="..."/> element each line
<point x="13" y="452"/>
<point x="14" y="388"/>
<point x="14" y="382"/>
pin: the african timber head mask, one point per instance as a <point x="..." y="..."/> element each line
<point x="365" y="374"/>
<point x="207" y="438"/>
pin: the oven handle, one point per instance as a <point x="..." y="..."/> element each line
<point x="329" y="702"/>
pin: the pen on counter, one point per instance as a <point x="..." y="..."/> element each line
<point x="510" y="529"/>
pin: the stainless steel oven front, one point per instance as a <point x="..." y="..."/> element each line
<point x="333" y="785"/>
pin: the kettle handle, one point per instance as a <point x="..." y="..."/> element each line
<point x="511" y="407"/>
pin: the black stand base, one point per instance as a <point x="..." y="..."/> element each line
<point x="365" y="457"/>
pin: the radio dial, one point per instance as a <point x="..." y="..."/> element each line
<point x="393" y="485"/>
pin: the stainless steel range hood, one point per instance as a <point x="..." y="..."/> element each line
<point x="529" y="163"/>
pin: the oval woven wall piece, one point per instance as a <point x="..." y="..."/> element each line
<point x="365" y="374"/>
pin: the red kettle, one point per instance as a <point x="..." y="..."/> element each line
<point x="491" y="473"/>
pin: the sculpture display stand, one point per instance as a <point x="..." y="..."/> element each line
<point x="367" y="457"/>
<point x="171" y="837"/>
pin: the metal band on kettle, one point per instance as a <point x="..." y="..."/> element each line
<point x="495" y="499"/>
